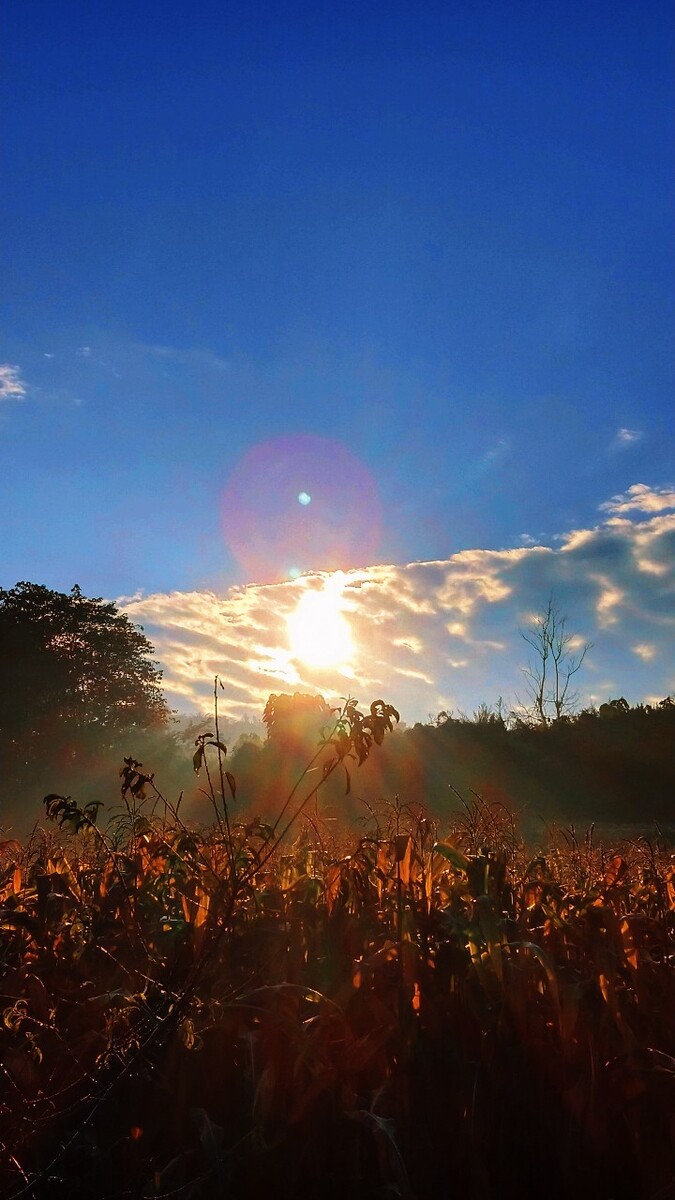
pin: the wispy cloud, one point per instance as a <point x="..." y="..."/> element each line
<point x="609" y="599"/>
<point x="641" y="498"/>
<point x="199" y="357"/>
<point x="12" y="386"/>
<point x="625" y="437"/>
<point x="424" y="629"/>
<point x="645" y="652"/>
<point x="500" y="450"/>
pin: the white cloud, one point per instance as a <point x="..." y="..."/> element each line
<point x="608" y="601"/>
<point x="447" y="627"/>
<point x="576" y="642"/>
<point x="12" y="386"/>
<point x="409" y="643"/>
<point x="641" y="498"/>
<point x="409" y="674"/>
<point x="645" y="652"/>
<point x="626" y="437"/>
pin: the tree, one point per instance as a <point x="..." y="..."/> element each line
<point x="614" y="708"/>
<point x="557" y="656"/>
<point x="70" y="667"/>
<point x="297" y="718"/>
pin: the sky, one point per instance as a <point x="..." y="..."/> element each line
<point x="380" y="290"/>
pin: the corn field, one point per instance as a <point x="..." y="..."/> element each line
<point x="293" y="1009"/>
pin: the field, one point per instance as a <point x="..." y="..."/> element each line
<point x="292" y="1009"/>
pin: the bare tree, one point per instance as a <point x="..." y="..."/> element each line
<point x="557" y="656"/>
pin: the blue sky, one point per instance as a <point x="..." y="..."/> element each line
<point x="435" y="238"/>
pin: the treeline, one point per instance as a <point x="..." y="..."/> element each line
<point x="612" y="765"/>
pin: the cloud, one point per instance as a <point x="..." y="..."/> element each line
<point x="641" y="498"/>
<point x="500" y="450"/>
<point x="626" y="437"/>
<point x="95" y="358"/>
<point x="609" y="599"/>
<point x="446" y="628"/>
<point x="409" y="643"/>
<point x="199" y="357"/>
<point x="12" y="386"/>
<point x="645" y="652"/>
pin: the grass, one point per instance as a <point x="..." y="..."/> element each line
<point x="291" y="1009"/>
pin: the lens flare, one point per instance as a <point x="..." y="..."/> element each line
<point x="305" y="501"/>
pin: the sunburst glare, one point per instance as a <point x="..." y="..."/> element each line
<point x="318" y="631"/>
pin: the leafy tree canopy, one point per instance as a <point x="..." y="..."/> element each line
<point x="298" y="716"/>
<point x="69" y="663"/>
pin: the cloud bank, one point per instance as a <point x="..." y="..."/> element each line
<point x="439" y="635"/>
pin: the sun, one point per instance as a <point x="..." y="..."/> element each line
<point x="318" y="631"/>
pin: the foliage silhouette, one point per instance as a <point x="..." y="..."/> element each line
<point x="74" y="672"/>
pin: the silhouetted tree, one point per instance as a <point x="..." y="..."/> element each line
<point x="70" y="668"/>
<point x="553" y="666"/>
<point x="614" y="708"/>
<point x="298" y="717"/>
